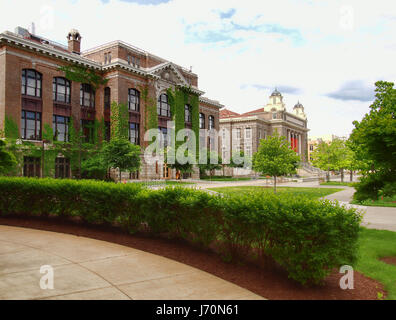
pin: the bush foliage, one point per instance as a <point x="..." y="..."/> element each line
<point x="308" y="238"/>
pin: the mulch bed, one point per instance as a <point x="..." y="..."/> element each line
<point x="271" y="283"/>
<point x="389" y="260"/>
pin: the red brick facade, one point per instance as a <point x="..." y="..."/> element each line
<point x="125" y="67"/>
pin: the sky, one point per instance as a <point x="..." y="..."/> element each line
<point x="326" y="54"/>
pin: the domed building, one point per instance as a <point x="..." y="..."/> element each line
<point x="247" y="129"/>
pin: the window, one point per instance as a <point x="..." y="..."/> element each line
<point x="248" y="151"/>
<point x="274" y="115"/>
<point x="163" y="107"/>
<point x="60" y="125"/>
<point x="248" y="133"/>
<point x="134" y="133"/>
<point x="165" y="136"/>
<point x="129" y="59"/>
<point x="311" y="147"/>
<point x="87" y="129"/>
<point x="238" y="133"/>
<point x="211" y="122"/>
<point x="31" y="83"/>
<point x="107" y="57"/>
<point x="187" y="113"/>
<point x="201" y="121"/>
<point x="31" y="167"/>
<point x="133" y="100"/>
<point x="61" y="90"/>
<point x="107" y="98"/>
<point x="62" y="168"/>
<point x="31" y="125"/>
<point x="107" y="130"/>
<point x="87" y="95"/>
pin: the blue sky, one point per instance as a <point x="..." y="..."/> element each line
<point x="326" y="54"/>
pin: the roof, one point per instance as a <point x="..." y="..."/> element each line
<point x="225" y="113"/>
<point x="253" y="112"/>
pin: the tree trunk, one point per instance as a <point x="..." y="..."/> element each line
<point x="342" y="175"/>
<point x="351" y="176"/>
<point x="274" y="184"/>
<point x="120" y="174"/>
<point x="328" y="176"/>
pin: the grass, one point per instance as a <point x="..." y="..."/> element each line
<point x="373" y="245"/>
<point x="338" y="183"/>
<point x="312" y="193"/>
<point x="225" y="179"/>
<point x="387" y="202"/>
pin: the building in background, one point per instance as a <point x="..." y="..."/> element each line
<point x="313" y="142"/>
<point x="247" y="129"/>
<point x="34" y="93"/>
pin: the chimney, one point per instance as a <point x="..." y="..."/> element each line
<point x="74" y="41"/>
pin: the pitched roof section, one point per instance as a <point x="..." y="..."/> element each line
<point x="225" y="113"/>
<point x="261" y="110"/>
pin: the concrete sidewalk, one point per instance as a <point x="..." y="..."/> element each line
<point x="91" y="269"/>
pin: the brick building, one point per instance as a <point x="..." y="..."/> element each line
<point x="33" y="92"/>
<point x="243" y="132"/>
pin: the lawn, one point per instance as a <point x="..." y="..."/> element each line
<point x="373" y="245"/>
<point x="386" y="202"/>
<point x="313" y="193"/>
<point x="338" y="183"/>
<point x="225" y="179"/>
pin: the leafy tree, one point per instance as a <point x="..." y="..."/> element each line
<point x="94" y="167"/>
<point x="333" y="156"/>
<point x="7" y="159"/>
<point x="213" y="163"/>
<point x="374" y="140"/>
<point x="179" y="165"/>
<point x="121" y="154"/>
<point x="275" y="158"/>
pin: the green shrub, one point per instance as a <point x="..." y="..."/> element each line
<point x="308" y="238"/>
<point x="373" y="184"/>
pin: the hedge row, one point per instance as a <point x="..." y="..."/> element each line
<point x="308" y="238"/>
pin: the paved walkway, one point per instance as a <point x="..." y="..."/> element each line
<point x="91" y="269"/>
<point x="383" y="218"/>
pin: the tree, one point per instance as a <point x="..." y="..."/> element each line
<point x="7" y="159"/>
<point x="179" y="165"/>
<point x="375" y="134"/>
<point x="331" y="156"/>
<point x="121" y="154"/>
<point x="213" y="162"/>
<point x="94" y="167"/>
<point x="374" y="141"/>
<point x="275" y="157"/>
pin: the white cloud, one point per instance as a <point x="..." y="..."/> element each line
<point x="298" y="44"/>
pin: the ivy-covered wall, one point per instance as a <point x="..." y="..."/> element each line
<point x="178" y="98"/>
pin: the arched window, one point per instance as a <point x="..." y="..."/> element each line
<point x="61" y="90"/>
<point x="187" y="113"/>
<point x="31" y="83"/>
<point x="87" y="95"/>
<point x="133" y="100"/>
<point x="211" y="122"/>
<point x="107" y="94"/>
<point x="163" y="107"/>
<point x="201" y="121"/>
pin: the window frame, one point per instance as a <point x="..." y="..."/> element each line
<point x="38" y="79"/>
<point x="55" y="125"/>
<point x="137" y="133"/>
<point x="86" y="88"/>
<point x="136" y="96"/>
<point x="211" y="122"/>
<point x="187" y="113"/>
<point x="160" y="106"/>
<point x="55" y="91"/>
<point x="24" y="127"/>
<point x="202" y="120"/>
